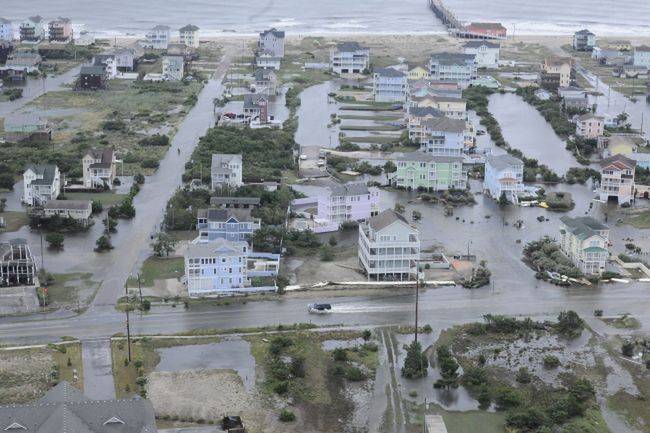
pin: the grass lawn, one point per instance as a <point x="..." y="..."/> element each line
<point x="14" y="221"/>
<point x="623" y="322"/>
<point x="66" y="372"/>
<point x="377" y="139"/>
<point x="639" y="221"/>
<point x="143" y="349"/>
<point x="159" y="268"/>
<point x="107" y="198"/>
<point x="470" y="421"/>
<point x="377" y="118"/>
<point x="369" y="128"/>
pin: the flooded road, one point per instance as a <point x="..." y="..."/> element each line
<point x="525" y="129"/>
<point x="314" y="116"/>
<point x="36" y="87"/>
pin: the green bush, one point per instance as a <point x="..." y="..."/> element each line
<point x="551" y="361"/>
<point x="286" y="416"/>
<point x="354" y="374"/>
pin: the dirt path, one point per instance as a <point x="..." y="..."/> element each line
<point x="397" y="421"/>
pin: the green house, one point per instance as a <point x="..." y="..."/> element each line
<point x="419" y="170"/>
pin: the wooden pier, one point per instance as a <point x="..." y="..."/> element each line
<point x="454" y="26"/>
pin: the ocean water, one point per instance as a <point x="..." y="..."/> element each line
<point x="216" y="17"/>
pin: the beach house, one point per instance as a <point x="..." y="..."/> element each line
<point x="99" y="168"/>
<point x="584" y="40"/>
<point x="109" y="63"/>
<point x="584" y="240"/>
<point x="27" y="128"/>
<point x="158" y="37"/>
<point x="389" y="247"/>
<point x="266" y="81"/>
<point x="25" y="62"/>
<point x="64" y="408"/>
<point x="349" y="58"/>
<point x="92" y="77"/>
<point x="443" y="136"/>
<point x="60" y="30"/>
<point x="456" y="68"/>
<point x="173" y="68"/>
<point x="256" y="106"/>
<point x="32" y="29"/>
<point x="230" y="224"/>
<point x="6" y="30"/>
<point x="617" y="179"/>
<point x="389" y="85"/>
<point x="226" y="170"/>
<point x="189" y="35"/>
<point x="504" y="174"/>
<point x="416" y="170"/>
<point x="41" y="183"/>
<point x="590" y="126"/>
<point x="267" y="60"/>
<point x="348" y="202"/>
<point x="642" y="56"/>
<point x="17" y="268"/>
<point x="226" y="266"/>
<point x="486" y="53"/>
<point x="418" y="73"/>
<point x="556" y="72"/>
<point x="272" y="40"/>
<point x="78" y="210"/>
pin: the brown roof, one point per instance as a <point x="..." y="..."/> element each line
<point x="619" y="162"/>
<point x="557" y="61"/>
<point x="494" y="26"/>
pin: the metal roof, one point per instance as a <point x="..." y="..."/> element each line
<point x="583" y="227"/>
<point x="501" y="162"/>
<point x="386" y="218"/>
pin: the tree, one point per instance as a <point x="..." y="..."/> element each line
<point x="416" y="362"/>
<point x="110" y="225"/>
<point x="138" y="179"/>
<point x="103" y="243"/>
<point x="503" y="199"/>
<point x="3" y="204"/>
<point x="399" y="208"/>
<point x="326" y="253"/>
<point x="126" y="209"/>
<point x="163" y="245"/>
<point x="6" y="181"/>
<point x="627" y="348"/>
<point x="448" y="368"/>
<point x="97" y="206"/>
<point x="332" y="241"/>
<point x="417" y="216"/>
<point x="570" y="324"/>
<point x="390" y="167"/>
<point x="55" y="240"/>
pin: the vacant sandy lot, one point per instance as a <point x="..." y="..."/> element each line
<point x="23" y="375"/>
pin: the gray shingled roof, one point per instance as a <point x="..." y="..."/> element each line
<point x="452" y="58"/>
<point x="501" y="162"/>
<point x="161" y="27"/>
<point x="389" y="72"/>
<point x="223" y="215"/>
<point x="427" y="157"/>
<point x="583" y="227"/>
<point x="188" y="28"/>
<point x="619" y="161"/>
<point x="277" y="33"/>
<point x="252" y="100"/>
<point x="92" y="70"/>
<point x="425" y="111"/>
<point x="349" y="47"/>
<point x="477" y="44"/>
<point x="68" y="205"/>
<point x="584" y="32"/>
<point x="105" y="156"/>
<point x="47" y="171"/>
<point x="64" y="409"/>
<point x="226" y="247"/>
<point x="386" y="218"/>
<point x="445" y="124"/>
<point x="349" y="189"/>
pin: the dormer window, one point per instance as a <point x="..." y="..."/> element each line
<point x="114" y="420"/>
<point x="15" y="426"/>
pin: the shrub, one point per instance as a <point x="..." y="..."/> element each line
<point x="340" y="354"/>
<point x="427" y="329"/>
<point x="286" y="416"/>
<point x="523" y="375"/>
<point x="354" y="374"/>
<point x="551" y="361"/>
<point x="366" y="334"/>
<point x="507" y="397"/>
<point x="627" y="348"/>
<point x="416" y="362"/>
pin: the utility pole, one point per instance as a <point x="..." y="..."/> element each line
<point x="40" y="230"/>
<point x="140" y="287"/>
<point x="417" y="297"/>
<point x="128" y="328"/>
